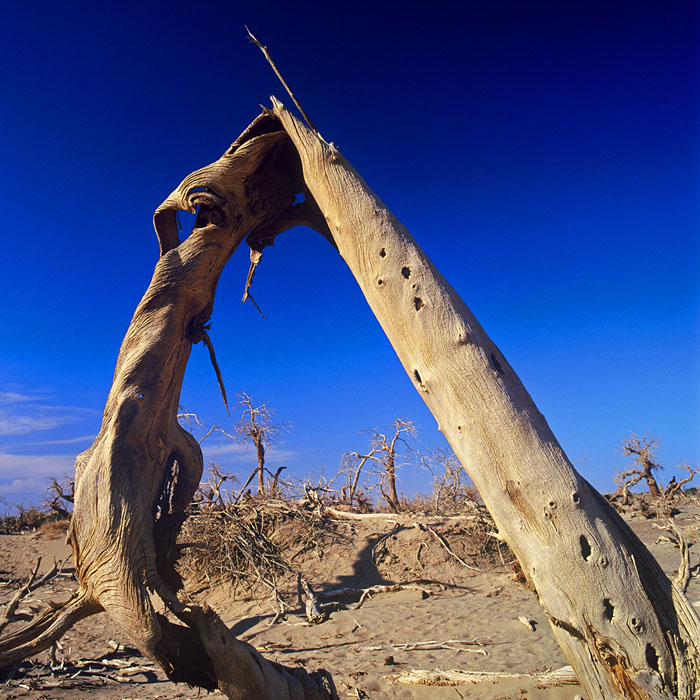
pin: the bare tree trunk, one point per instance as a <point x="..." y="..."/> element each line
<point x="626" y="629"/>
<point x="393" y="497"/>
<point x="654" y="490"/>
<point x="134" y="483"/>
<point x="260" y="452"/>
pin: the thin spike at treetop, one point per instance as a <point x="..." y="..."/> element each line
<point x="266" y="53"/>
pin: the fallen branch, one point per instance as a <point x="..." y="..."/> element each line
<point x="53" y="572"/>
<point x="406" y="520"/>
<point x="548" y="679"/>
<point x="432" y="645"/>
<point x="679" y="540"/>
<point x="446" y="545"/>
<point x="8" y="614"/>
<point x="367" y="592"/>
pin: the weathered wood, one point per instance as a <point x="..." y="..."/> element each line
<point x="134" y="483"/>
<point x="626" y="629"/>
<point x="548" y="679"/>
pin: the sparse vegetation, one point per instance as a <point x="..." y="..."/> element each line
<point x="383" y="453"/>
<point x="658" y="501"/>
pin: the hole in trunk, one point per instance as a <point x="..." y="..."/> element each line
<point x="406" y="272"/>
<point x="382" y="253"/>
<point x="608" y="609"/>
<point x="418" y="303"/>
<point x="585" y="548"/>
<point x="209" y="215"/>
<point x="417" y="376"/>
<point x="185" y="223"/>
<point x="652" y="657"/>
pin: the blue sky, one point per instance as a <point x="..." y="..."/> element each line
<point x="545" y="155"/>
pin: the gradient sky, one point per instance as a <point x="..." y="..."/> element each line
<point x="545" y="155"/>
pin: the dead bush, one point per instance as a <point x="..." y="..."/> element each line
<point x="251" y="545"/>
<point x="53" y="529"/>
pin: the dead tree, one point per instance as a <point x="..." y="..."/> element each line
<point x="382" y="452"/>
<point x="675" y="488"/>
<point x="451" y="491"/>
<point x="642" y="450"/>
<point x="626" y="629"/>
<point x="256" y="425"/>
<point x="59" y="495"/>
<point x="134" y="483"/>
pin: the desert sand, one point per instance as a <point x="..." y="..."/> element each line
<point x="471" y="615"/>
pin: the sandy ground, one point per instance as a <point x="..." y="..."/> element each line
<point x="481" y="607"/>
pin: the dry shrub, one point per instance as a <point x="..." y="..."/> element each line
<point x="250" y="545"/>
<point x="692" y="533"/>
<point x="26" y="519"/>
<point x="478" y="540"/>
<point x="53" y="529"/>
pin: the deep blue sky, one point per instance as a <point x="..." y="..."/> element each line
<point x="545" y="155"/>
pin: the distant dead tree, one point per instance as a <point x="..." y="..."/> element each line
<point x="451" y="489"/>
<point x="193" y="423"/>
<point x="256" y="426"/>
<point x="211" y="491"/>
<point x="382" y="452"/>
<point x="642" y="449"/>
<point x="675" y="488"/>
<point x="59" y="495"/>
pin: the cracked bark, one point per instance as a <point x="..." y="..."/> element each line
<point x="134" y="483"/>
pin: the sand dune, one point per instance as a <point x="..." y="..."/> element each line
<point x="472" y="618"/>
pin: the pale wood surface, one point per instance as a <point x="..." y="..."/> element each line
<point x="627" y="630"/>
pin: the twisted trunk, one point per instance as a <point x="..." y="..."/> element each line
<point x="135" y="482"/>
<point x="627" y="630"/>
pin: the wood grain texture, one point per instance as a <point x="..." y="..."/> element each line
<point x="627" y="630"/>
<point x="135" y="482"/>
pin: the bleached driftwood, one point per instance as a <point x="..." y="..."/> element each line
<point x="364" y="593"/>
<point x="432" y="645"/>
<point x="408" y="519"/>
<point x="548" y="679"/>
<point x="314" y="614"/>
<point x="8" y="611"/>
<point x="627" y="630"/>
<point x="527" y="622"/>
